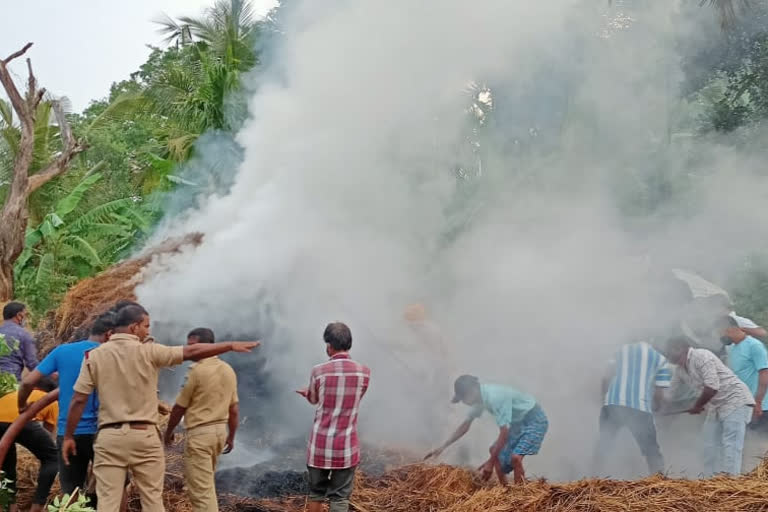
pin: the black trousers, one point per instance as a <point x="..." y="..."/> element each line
<point x="37" y="440"/>
<point x="74" y="475"/>
<point x="615" y="417"/>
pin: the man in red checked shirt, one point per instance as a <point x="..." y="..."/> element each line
<point x="336" y="387"/>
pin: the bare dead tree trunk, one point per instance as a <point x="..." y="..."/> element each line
<point x="15" y="213"/>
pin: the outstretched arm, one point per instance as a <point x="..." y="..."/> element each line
<point x="458" y="434"/>
<point x="202" y="350"/>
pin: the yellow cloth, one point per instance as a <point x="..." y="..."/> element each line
<point x="210" y="389"/>
<point x="9" y="408"/>
<point x="124" y="372"/>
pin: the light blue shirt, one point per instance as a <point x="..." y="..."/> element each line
<point x="508" y="405"/>
<point x="746" y="359"/>
<point x="638" y="369"/>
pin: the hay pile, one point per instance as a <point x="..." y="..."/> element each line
<point x="425" y="488"/>
<point x="451" y="489"/>
<point x="95" y="295"/>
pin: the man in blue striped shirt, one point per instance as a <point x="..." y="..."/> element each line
<point x="638" y="375"/>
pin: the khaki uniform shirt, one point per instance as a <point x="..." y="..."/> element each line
<point x="124" y="372"/>
<point x="210" y="389"/>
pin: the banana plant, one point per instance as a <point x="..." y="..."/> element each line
<point x="74" y="503"/>
<point x="69" y="244"/>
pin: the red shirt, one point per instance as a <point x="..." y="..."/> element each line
<point x="337" y="386"/>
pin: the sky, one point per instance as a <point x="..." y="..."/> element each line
<point x="82" y="46"/>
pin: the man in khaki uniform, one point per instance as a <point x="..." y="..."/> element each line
<point x="124" y="372"/>
<point x="208" y="403"/>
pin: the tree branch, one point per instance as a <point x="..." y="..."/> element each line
<point x="13" y="93"/>
<point x="55" y="168"/>
<point x="18" y="53"/>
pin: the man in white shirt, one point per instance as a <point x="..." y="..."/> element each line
<point x="726" y="400"/>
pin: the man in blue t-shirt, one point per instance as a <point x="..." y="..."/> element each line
<point x="66" y="360"/>
<point x="748" y="358"/>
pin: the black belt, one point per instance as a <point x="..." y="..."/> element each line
<point x="136" y="425"/>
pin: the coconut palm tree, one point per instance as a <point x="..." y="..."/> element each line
<point x="228" y="29"/>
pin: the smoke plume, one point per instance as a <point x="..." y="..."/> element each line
<point x="518" y="167"/>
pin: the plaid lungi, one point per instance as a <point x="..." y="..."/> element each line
<point x="525" y="438"/>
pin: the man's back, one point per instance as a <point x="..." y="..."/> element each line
<point x="210" y="390"/>
<point x="639" y="369"/>
<point x="124" y="372"/>
<point x="338" y="386"/>
<point x="67" y="360"/>
<point x="23" y="347"/>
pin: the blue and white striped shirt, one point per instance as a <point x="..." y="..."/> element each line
<point x="638" y="369"/>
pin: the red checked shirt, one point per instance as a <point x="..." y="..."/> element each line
<point x="336" y="386"/>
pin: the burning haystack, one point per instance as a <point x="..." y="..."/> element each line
<point x="95" y="295"/>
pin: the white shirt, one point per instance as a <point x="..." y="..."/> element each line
<point x="703" y="368"/>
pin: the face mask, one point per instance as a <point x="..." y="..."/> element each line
<point x="725" y="340"/>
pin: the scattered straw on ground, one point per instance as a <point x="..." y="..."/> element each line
<point x="424" y="488"/>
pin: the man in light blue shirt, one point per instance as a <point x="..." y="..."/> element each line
<point x="522" y="425"/>
<point x="748" y="358"/>
<point x="637" y="376"/>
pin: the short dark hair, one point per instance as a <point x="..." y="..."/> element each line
<point x="124" y="304"/>
<point x="12" y="309"/>
<point x="462" y="385"/>
<point x="338" y="336"/>
<point x="104" y="323"/>
<point x="678" y="342"/>
<point x="130" y="315"/>
<point x="46" y="384"/>
<point x="203" y="334"/>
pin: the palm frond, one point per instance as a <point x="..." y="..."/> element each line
<point x="125" y="106"/>
<point x="728" y="10"/>
<point x="175" y="33"/>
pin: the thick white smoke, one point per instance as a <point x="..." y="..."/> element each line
<point x="344" y="206"/>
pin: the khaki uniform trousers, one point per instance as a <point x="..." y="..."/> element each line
<point x="117" y="450"/>
<point x="202" y="449"/>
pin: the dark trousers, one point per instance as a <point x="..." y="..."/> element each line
<point x="37" y="440"/>
<point x="74" y="475"/>
<point x="615" y="417"/>
<point x="334" y="485"/>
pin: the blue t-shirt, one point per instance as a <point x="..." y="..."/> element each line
<point x="746" y="359"/>
<point x="67" y="360"/>
<point x="508" y="405"/>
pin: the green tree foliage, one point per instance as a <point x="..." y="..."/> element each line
<point x="71" y="242"/>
